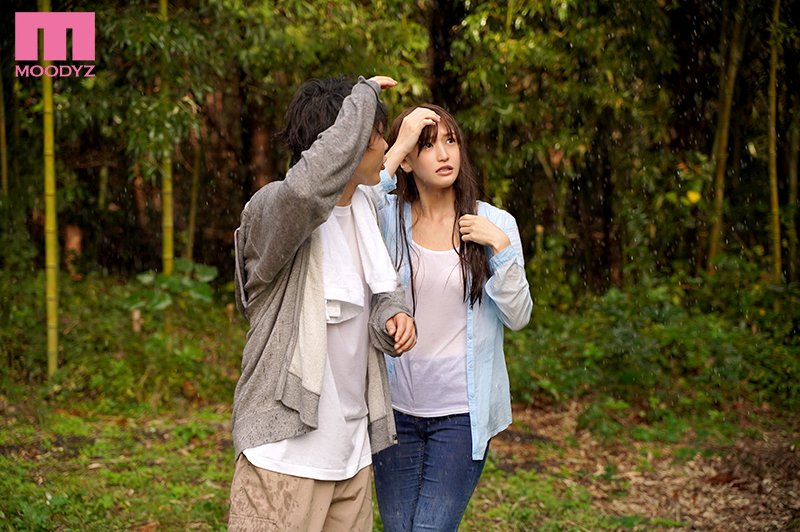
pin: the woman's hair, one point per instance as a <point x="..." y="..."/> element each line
<point x="472" y="256"/>
<point x="314" y="109"/>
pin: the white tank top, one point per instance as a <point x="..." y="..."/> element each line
<point x="431" y="379"/>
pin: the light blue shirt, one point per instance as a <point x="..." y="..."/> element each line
<point x="506" y="301"/>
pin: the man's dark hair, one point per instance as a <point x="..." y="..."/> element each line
<point x="314" y="109"/>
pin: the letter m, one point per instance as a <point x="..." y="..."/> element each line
<point x="55" y="25"/>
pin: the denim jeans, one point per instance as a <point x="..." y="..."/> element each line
<point x="426" y="480"/>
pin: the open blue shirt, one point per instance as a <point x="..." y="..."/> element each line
<point x="506" y="301"/>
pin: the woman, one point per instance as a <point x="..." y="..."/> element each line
<point x="461" y="263"/>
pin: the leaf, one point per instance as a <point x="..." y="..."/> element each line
<point x="146" y="278"/>
<point x="183" y="265"/>
<point x="160" y="301"/>
<point x="201" y="292"/>
<point x="205" y="273"/>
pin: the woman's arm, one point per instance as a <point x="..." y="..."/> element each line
<point x="407" y="137"/>
<point x="507" y="286"/>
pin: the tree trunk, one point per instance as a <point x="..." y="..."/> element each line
<point x="444" y="16"/>
<point x="102" y="189"/>
<point x="791" y="230"/>
<point x="192" y="223"/>
<point x="3" y="142"/>
<point x="73" y="248"/>
<point x="719" y="156"/>
<point x="723" y="51"/>
<point x="50" y="220"/>
<point x="140" y="200"/>
<point x="262" y="161"/>
<point x="773" y="147"/>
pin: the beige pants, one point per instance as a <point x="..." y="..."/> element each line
<point x="265" y="500"/>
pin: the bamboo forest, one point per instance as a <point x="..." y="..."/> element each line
<point x="648" y="152"/>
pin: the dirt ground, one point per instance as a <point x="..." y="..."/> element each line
<point x="753" y="484"/>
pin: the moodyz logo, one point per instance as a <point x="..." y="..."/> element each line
<point x="54" y="26"/>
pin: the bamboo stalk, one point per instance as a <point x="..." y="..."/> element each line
<point x="791" y="231"/>
<point x="167" y="217"/>
<point x="773" y="148"/>
<point x="102" y="192"/>
<point x="189" y="254"/>
<point x="3" y="142"/>
<point x="720" y="152"/>
<point x="50" y="221"/>
<point x="167" y="224"/>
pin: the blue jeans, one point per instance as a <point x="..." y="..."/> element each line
<point x="426" y="480"/>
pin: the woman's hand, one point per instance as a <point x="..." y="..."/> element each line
<point x="407" y="137"/>
<point x="481" y="231"/>
<point x="401" y="327"/>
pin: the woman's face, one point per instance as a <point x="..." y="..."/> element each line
<point x="437" y="164"/>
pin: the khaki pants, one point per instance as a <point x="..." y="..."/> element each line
<point x="269" y="501"/>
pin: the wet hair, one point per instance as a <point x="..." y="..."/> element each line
<point x="314" y="109"/>
<point x="473" y="257"/>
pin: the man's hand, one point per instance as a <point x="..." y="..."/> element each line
<point x="401" y="327"/>
<point x="383" y="81"/>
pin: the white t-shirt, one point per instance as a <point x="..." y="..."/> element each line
<point x="339" y="448"/>
<point x="430" y="380"/>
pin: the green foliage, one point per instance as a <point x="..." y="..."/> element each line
<point x="84" y="473"/>
<point x="743" y="292"/>
<point x="104" y="361"/>
<point x="643" y="356"/>
<point x="189" y="283"/>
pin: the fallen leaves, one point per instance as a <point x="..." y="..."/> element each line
<point x="751" y="485"/>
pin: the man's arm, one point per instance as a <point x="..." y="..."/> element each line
<point x="283" y="215"/>
<point x="385" y="308"/>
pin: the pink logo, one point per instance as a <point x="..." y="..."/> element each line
<point x="55" y="25"/>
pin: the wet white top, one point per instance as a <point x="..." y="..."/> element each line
<point x="431" y="379"/>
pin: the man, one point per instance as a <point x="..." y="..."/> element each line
<point x="317" y="286"/>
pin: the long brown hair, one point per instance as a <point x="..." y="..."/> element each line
<point x="472" y="256"/>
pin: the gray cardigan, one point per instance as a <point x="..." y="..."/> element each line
<point x="274" y="247"/>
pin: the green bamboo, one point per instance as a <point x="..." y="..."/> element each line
<point x="773" y="147"/>
<point x="192" y="224"/>
<point x="791" y="230"/>
<point x="167" y="224"/>
<point x="720" y="153"/>
<point x="3" y="142"/>
<point x="50" y="221"/>
<point x="102" y="192"/>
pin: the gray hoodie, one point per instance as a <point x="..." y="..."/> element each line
<point x="278" y="291"/>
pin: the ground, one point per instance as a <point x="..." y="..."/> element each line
<point x="751" y="484"/>
<point x="71" y="469"/>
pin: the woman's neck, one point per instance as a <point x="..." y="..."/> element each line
<point x="436" y="204"/>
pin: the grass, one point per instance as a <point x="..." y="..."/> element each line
<point x="133" y="432"/>
<point x="170" y="469"/>
<point x="73" y="471"/>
